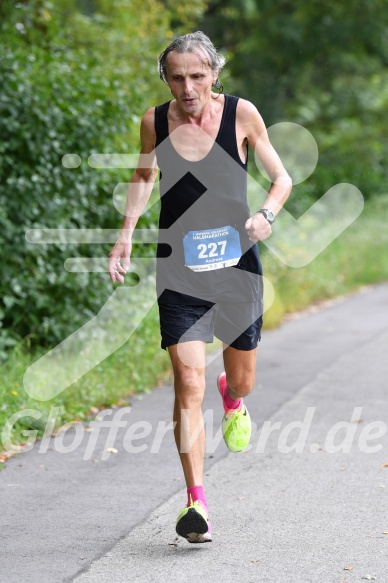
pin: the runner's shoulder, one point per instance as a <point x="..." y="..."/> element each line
<point x="246" y="110"/>
<point x="249" y="120"/>
<point x="148" y="119"/>
<point x="147" y="128"/>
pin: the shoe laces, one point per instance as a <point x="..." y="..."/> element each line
<point x="231" y="412"/>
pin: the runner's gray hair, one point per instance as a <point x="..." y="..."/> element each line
<point x="195" y="42"/>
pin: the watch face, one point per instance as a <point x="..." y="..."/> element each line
<point x="269" y="215"/>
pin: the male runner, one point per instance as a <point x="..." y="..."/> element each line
<point x="208" y="267"/>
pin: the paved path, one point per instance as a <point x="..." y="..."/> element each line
<point x="312" y="515"/>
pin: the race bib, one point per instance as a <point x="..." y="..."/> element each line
<point x="212" y="249"/>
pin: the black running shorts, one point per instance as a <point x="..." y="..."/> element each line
<point x="236" y="324"/>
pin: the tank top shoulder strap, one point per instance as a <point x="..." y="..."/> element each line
<point x="161" y="122"/>
<point x="227" y="135"/>
<point x="230" y="108"/>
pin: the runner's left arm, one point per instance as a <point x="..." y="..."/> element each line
<point x="256" y="136"/>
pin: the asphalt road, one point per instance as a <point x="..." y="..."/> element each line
<point x="307" y="502"/>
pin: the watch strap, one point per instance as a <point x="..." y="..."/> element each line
<point x="267" y="214"/>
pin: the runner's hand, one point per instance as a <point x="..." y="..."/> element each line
<point x="258" y="228"/>
<point x="121" y="251"/>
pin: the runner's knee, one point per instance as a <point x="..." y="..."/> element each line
<point x="189" y="385"/>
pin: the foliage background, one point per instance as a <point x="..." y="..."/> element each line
<point x="74" y="79"/>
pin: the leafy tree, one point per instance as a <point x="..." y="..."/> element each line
<point x="323" y="65"/>
<point x="74" y="78"/>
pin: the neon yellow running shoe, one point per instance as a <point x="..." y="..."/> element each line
<point x="236" y="423"/>
<point x="193" y="524"/>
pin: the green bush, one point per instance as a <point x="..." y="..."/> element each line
<point x="75" y="78"/>
<point x="54" y="101"/>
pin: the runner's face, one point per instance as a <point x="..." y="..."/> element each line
<point x="190" y="81"/>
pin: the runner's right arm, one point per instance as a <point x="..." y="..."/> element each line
<point x="139" y="191"/>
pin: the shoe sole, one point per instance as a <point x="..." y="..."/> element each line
<point x="199" y="538"/>
<point x="192" y="525"/>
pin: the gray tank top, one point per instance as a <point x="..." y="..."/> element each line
<point x="203" y="246"/>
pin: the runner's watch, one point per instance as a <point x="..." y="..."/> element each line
<point x="269" y="215"/>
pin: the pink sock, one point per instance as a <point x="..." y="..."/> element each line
<point x="196" y="493"/>
<point x="229" y="403"/>
<point x="227" y="400"/>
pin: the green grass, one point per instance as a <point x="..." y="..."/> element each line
<point x="358" y="257"/>
<point x="132" y="368"/>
